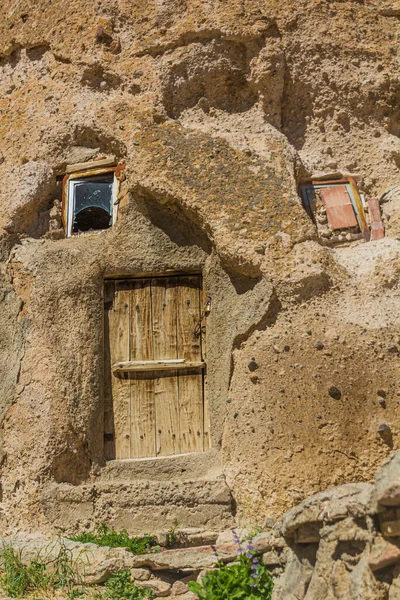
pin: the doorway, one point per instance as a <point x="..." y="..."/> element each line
<point x="155" y="367"/>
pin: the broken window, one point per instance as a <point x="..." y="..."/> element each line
<point x="90" y="200"/>
<point x="91" y="203"/>
<point x="337" y="209"/>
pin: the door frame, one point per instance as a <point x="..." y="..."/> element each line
<point x="116" y="276"/>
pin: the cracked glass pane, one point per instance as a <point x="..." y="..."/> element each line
<point x="92" y="197"/>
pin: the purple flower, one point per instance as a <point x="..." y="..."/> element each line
<point x="235" y="537"/>
<point x="237" y="542"/>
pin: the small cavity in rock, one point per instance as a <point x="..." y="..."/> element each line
<point x="334" y="392"/>
<point x="252" y="365"/>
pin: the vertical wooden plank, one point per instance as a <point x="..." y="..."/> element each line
<point x="141" y="339"/>
<point x="109" y="434"/>
<point x="143" y="440"/>
<point x="190" y="383"/>
<point x="360" y="209"/>
<point x="203" y="347"/>
<point x="142" y="385"/>
<point x="119" y="345"/>
<point x="164" y="310"/>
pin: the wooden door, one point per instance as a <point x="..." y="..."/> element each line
<point x="154" y="385"/>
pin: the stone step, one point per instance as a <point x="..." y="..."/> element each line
<point x="141" y="506"/>
<point x="200" y="465"/>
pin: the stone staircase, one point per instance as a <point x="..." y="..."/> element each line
<point x="145" y="495"/>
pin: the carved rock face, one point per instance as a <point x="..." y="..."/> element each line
<point x="219" y="111"/>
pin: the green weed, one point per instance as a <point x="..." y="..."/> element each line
<point x="171" y="534"/>
<point x="18" y="579"/>
<point x="76" y="593"/>
<point x="247" y="579"/>
<point x="121" y="587"/>
<point x="106" y="536"/>
<point x="40" y="575"/>
<point x="255" y="530"/>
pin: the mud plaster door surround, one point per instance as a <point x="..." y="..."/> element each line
<point x="155" y="403"/>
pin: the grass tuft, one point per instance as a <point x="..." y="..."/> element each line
<point x="41" y="575"/>
<point x="106" y="536"/>
<point x="121" y="587"/>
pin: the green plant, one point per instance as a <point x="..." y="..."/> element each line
<point x="235" y="582"/>
<point x="255" y="530"/>
<point x="41" y="574"/>
<point x="246" y="579"/>
<point x="121" y="587"/>
<point x="17" y="578"/>
<point x="171" y="534"/>
<point x="75" y="593"/>
<point x="106" y="536"/>
<point x="64" y="572"/>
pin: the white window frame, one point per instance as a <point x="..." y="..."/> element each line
<point x="70" y="201"/>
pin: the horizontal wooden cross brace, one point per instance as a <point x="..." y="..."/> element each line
<point x="156" y="365"/>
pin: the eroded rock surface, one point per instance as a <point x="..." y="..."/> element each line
<point x="218" y="111"/>
<point x="347" y="556"/>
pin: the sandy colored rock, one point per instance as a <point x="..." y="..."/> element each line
<point x="179" y="588"/>
<point x="387" y="484"/>
<point x="158" y="587"/>
<point x="383" y="554"/>
<point x="140" y="574"/>
<point x="328" y="506"/>
<point x="350" y="560"/>
<point x="218" y="111"/>
<point x="267" y="541"/>
<point x="30" y="187"/>
<point x="295" y="580"/>
<point x="194" y="559"/>
<point x="196" y="537"/>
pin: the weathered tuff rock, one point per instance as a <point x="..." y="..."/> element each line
<point x="135" y="503"/>
<point x="197" y="558"/>
<point x="325" y="507"/>
<point x="349" y="559"/>
<point x="345" y="557"/>
<point x="30" y="186"/>
<point x="386" y="491"/>
<point x="384" y="554"/>
<point x="95" y="564"/>
<point x="159" y="588"/>
<point x="219" y="110"/>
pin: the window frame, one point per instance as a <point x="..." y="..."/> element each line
<point x="355" y="197"/>
<point x="305" y="189"/>
<point x="68" y="198"/>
